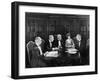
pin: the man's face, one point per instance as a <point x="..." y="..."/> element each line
<point x="51" y="38"/>
<point x="78" y="37"/>
<point x="38" y="41"/>
<point x="59" y="37"/>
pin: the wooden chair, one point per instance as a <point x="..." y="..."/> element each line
<point x="28" y="47"/>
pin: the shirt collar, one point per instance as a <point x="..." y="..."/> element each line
<point x="50" y="41"/>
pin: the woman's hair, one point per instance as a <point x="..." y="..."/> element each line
<point x="68" y="34"/>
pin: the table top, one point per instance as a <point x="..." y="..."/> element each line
<point x="63" y="55"/>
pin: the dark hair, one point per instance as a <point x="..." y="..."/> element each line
<point x="68" y="34"/>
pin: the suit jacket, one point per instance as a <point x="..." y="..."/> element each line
<point x="47" y="45"/>
<point x="57" y="43"/>
<point x="43" y="45"/>
<point x="82" y="46"/>
<point x="36" y="59"/>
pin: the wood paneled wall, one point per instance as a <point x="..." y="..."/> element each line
<point x="40" y="24"/>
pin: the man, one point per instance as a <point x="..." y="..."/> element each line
<point x="80" y="44"/>
<point x="50" y="44"/>
<point x="59" y="42"/>
<point x="36" y="54"/>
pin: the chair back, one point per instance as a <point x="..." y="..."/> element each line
<point x="29" y="46"/>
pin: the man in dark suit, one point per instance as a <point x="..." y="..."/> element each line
<point x="36" y="54"/>
<point x="59" y="43"/>
<point x="50" y="44"/>
<point x="80" y="44"/>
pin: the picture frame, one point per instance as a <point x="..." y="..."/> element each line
<point x="20" y="11"/>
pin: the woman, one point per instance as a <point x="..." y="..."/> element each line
<point x="69" y="42"/>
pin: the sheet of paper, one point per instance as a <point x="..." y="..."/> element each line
<point x="52" y="54"/>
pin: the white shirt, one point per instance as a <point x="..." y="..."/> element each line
<point x="59" y="43"/>
<point x="79" y="43"/>
<point x="50" y="43"/>
<point x="39" y="49"/>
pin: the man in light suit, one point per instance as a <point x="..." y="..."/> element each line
<point x="36" y="54"/>
<point x="59" y="42"/>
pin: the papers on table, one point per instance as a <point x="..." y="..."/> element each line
<point x="51" y="54"/>
<point x="72" y="50"/>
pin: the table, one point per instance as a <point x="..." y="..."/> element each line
<point x="63" y="59"/>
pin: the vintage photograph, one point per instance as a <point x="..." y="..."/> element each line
<point x="54" y="40"/>
<point x="51" y="40"/>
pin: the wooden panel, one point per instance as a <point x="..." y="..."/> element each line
<point x="43" y="24"/>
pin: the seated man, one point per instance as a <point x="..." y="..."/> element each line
<point x="36" y="54"/>
<point x="79" y="43"/>
<point x="59" y="42"/>
<point x="50" y="44"/>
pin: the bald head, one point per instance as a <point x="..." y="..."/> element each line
<point x="38" y="40"/>
<point x="78" y="37"/>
